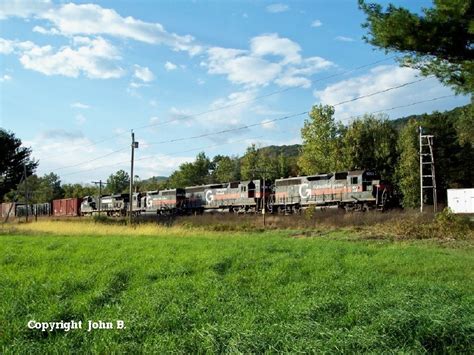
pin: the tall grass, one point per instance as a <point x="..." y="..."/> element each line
<point x="215" y="292"/>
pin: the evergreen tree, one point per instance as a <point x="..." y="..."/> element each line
<point x="13" y="158"/>
<point x="438" y="42"/>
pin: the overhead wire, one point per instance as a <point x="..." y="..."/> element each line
<point x="284" y="117"/>
<point x="261" y="123"/>
<point x="241" y="102"/>
<point x="154" y="156"/>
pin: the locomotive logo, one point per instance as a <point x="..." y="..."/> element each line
<point x="209" y="197"/>
<point x="305" y="191"/>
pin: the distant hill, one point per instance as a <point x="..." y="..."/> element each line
<point x="402" y="121"/>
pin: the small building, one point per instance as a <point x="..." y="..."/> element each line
<point x="461" y="200"/>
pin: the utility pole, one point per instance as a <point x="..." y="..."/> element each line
<point x="27" y="201"/>
<point x="263" y="200"/>
<point x="134" y="145"/>
<point x="100" y="193"/>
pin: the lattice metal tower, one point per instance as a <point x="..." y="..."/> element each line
<point x="427" y="169"/>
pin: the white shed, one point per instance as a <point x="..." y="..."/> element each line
<point x="461" y="200"/>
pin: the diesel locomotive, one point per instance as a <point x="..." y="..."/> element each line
<point x="358" y="190"/>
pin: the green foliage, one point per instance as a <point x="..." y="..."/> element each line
<point x="236" y="293"/>
<point x="270" y="162"/>
<point x="408" y="167"/>
<point x="118" y="182"/>
<point x="189" y="174"/>
<point x="13" y="156"/>
<point x="225" y="168"/>
<point x="322" y="143"/>
<point x="439" y="42"/>
<point x="40" y="189"/>
<point x="79" y="191"/>
<point x="464" y="125"/>
<point x="370" y="143"/>
<point x="450" y="225"/>
<point x="251" y="163"/>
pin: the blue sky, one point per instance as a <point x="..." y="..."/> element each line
<point x="73" y="74"/>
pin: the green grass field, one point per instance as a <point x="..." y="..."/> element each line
<point x="197" y="291"/>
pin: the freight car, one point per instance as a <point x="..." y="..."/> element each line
<point x="34" y="210"/>
<point x="353" y="190"/>
<point x="70" y="207"/>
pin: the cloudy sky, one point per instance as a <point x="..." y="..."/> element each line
<point x="76" y="77"/>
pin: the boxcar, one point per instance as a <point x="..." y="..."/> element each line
<point x="67" y="207"/>
<point x="7" y="209"/>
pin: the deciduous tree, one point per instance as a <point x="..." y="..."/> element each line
<point x="118" y="182"/>
<point x="322" y="143"/>
<point x="408" y="167"/>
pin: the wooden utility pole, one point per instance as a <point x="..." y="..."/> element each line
<point x="27" y="200"/>
<point x="134" y="145"/>
<point x="263" y="200"/>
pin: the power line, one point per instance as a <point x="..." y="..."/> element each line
<point x="91" y="144"/>
<point x="233" y="104"/>
<point x="262" y="96"/>
<point x="280" y="118"/>
<point x="285" y="117"/>
<point x="261" y="123"/>
<point x="91" y="160"/>
<point x="154" y="156"/>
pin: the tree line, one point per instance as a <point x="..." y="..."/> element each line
<point x="368" y="142"/>
<point x="437" y="41"/>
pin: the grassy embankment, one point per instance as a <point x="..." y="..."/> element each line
<point x="190" y="290"/>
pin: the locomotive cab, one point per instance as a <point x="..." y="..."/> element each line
<point x="370" y="179"/>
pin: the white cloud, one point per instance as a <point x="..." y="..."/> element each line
<point x="76" y="148"/>
<point x="200" y="81"/>
<point x="94" y="59"/>
<point x="22" y="8"/>
<point x="170" y="66"/>
<point x="89" y="19"/>
<point x="5" y="77"/>
<point x="277" y="8"/>
<point x="316" y="23"/>
<point x="241" y="69"/>
<point x="272" y="44"/>
<point x="380" y="78"/>
<point x="143" y="73"/>
<point x="79" y="105"/>
<point x="344" y="39"/>
<point x="44" y="31"/>
<point x="270" y="58"/>
<point x="6" y="46"/>
<point x="80" y="119"/>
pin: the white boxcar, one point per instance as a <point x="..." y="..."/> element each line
<point x="461" y="200"/>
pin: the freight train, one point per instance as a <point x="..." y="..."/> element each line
<point x="359" y="190"/>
